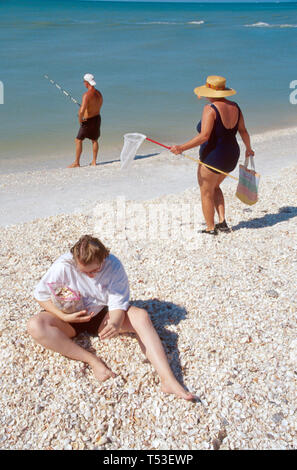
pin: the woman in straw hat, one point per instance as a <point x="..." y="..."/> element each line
<point x="221" y="119"/>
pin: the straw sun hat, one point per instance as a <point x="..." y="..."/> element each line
<point x="215" y="87"/>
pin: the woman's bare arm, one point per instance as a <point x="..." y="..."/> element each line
<point x="245" y="137"/>
<point x="208" y="119"/>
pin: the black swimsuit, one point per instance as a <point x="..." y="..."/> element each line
<point x="221" y="150"/>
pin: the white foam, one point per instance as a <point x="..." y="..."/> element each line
<point x="196" y="22"/>
<point x="288" y="25"/>
<point x="158" y="22"/>
<point x="262" y="24"/>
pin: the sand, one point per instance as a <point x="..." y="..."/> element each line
<point x="28" y="195"/>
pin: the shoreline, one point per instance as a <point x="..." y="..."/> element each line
<point x="225" y="309"/>
<point x="151" y="175"/>
<point x="111" y="152"/>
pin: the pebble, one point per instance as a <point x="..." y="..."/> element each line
<point x="103" y="440"/>
<point x="272" y="293"/>
<point x="278" y="417"/>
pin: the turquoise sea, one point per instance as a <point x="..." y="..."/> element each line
<point x="146" y="58"/>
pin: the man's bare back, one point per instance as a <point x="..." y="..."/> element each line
<point x="93" y="102"/>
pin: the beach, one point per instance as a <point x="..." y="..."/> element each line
<point x="224" y="306"/>
<point x="225" y="309"/>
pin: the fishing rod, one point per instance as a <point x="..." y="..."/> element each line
<point x="61" y="89"/>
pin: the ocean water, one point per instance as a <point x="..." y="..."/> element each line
<point x="147" y="58"/>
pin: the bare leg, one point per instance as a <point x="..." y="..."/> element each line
<point x="209" y="183"/>
<point x="207" y="196"/>
<point x="95" y="152"/>
<point x="219" y="204"/>
<point x="78" y="150"/>
<point x="138" y="321"/>
<point x="54" y="334"/>
<point x="219" y="200"/>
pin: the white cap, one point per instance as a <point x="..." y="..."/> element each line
<point x="88" y="77"/>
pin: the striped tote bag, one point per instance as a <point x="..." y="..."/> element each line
<point x="247" y="189"/>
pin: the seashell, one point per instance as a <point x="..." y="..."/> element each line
<point x="272" y="293"/>
<point x="103" y="440"/>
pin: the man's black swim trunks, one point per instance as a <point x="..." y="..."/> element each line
<point x="90" y="128"/>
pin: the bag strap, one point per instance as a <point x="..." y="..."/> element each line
<point x="251" y="161"/>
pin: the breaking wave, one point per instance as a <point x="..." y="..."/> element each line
<point x="261" y="24"/>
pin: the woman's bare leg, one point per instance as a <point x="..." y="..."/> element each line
<point x="54" y="334"/>
<point x="209" y="183"/>
<point x="138" y="321"/>
<point x="219" y="200"/>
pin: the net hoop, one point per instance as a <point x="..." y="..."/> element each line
<point x="132" y="142"/>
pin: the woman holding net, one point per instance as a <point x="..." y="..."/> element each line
<point x="221" y="120"/>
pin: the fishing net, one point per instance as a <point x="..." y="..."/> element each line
<point x="132" y="143"/>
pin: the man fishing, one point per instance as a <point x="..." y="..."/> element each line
<point x="89" y="119"/>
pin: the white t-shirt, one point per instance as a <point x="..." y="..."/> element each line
<point x="109" y="287"/>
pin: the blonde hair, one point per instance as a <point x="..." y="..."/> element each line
<point x="88" y="250"/>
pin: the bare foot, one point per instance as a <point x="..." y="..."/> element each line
<point x="101" y="372"/>
<point x="93" y="164"/>
<point x="178" y="390"/>
<point x="74" y="165"/>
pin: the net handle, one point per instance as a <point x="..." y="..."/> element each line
<point x="194" y="159"/>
